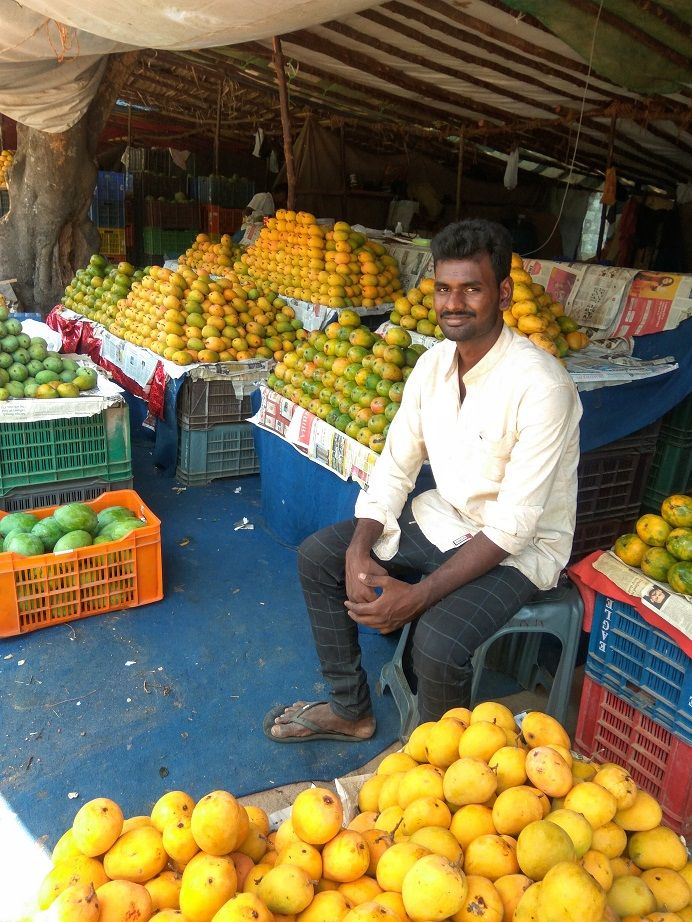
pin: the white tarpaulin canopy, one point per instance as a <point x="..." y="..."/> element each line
<point x="50" y="59"/>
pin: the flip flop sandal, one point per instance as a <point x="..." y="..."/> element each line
<point x="318" y="733"/>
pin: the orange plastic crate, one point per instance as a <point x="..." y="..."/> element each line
<point x="37" y="592"/>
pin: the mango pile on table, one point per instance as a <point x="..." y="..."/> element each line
<point x="473" y="820"/>
<point x="349" y="376"/>
<point x="661" y="545"/>
<point x="96" y="290"/>
<point x="331" y="265"/>
<point x="211" y="254"/>
<point x="186" y="316"/>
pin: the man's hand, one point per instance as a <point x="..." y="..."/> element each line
<point x="396" y="605"/>
<point x="358" y="590"/>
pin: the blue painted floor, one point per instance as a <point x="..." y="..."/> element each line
<point x="171" y="696"/>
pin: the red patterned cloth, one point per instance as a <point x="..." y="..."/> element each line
<point x="590" y="581"/>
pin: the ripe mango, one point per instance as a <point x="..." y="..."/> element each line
<point x="66" y="873"/>
<point x="164" y="890"/>
<point x="96" y="826"/>
<point x="346" y="857"/>
<point x="208" y="882"/>
<point x="527" y="907"/>
<point x="619" y="782"/>
<point x="511" y="889"/>
<point x="576" y="826"/>
<point x="630" y="896"/>
<point x="137" y="856"/>
<point x="668" y="887"/>
<point x="219" y="823"/>
<point x="482" y="904"/>
<point x="422" y="781"/>
<point x="77" y="903"/>
<point x="657" y="848"/>
<point x="610" y="839"/>
<point x="468" y="781"/>
<point x="598" y="805"/>
<point x="433" y="890"/>
<point x="494" y="713"/>
<point x="121" y="899"/>
<point x="317" y="815"/>
<point x="569" y="894"/>
<point x="245" y="907"/>
<point x="540" y="729"/>
<point x="490" y="856"/>
<point x="598" y="866"/>
<point x="514" y="809"/>
<point x="173" y="805"/>
<point x="439" y="841"/>
<point x="509" y="763"/>
<point x="548" y="771"/>
<point x="481" y="740"/>
<point x="285" y="889"/>
<point x="396" y="862"/>
<point x="540" y="846"/>
<point x="644" y="814"/>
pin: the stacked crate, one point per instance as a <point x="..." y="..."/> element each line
<point x="636" y="706"/>
<point x="111" y="212"/>
<point x="213" y="440"/>
<point x="611" y="486"/>
<point x="56" y="461"/>
<point x="671" y="470"/>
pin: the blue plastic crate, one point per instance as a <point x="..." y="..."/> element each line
<point x="220" y="451"/>
<point x="641" y="664"/>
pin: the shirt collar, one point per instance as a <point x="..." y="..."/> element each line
<point x="487" y="363"/>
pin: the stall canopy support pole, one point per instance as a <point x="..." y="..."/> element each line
<point x="217" y="129"/>
<point x="604" y="206"/>
<point x="460" y="167"/>
<point x="285" y="122"/>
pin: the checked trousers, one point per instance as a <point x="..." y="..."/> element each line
<point x="444" y="637"/>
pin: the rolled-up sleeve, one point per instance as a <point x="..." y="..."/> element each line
<point x="395" y="472"/>
<point x="547" y="430"/>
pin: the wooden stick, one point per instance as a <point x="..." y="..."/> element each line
<point x="217" y="130"/>
<point x="285" y="122"/>
<point x="460" y="167"/>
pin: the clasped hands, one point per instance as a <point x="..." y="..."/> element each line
<point x="386" y="611"/>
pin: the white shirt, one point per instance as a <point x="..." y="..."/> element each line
<point x="504" y="461"/>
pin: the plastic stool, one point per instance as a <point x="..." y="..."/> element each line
<point x="557" y="611"/>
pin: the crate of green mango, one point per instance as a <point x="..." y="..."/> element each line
<point x="67" y="562"/>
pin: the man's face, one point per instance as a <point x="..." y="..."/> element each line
<point x="468" y="301"/>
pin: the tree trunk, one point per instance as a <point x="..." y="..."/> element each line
<point x="47" y="235"/>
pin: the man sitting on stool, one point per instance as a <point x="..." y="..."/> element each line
<point x="498" y="420"/>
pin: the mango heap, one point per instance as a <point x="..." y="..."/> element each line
<point x="334" y="266"/>
<point x="29" y="369"/>
<point x="349" y="377"/>
<point x="211" y="255"/>
<point x="662" y="544"/>
<point x="71" y="526"/>
<point x="474" y="821"/>
<point x="96" y="290"/>
<point x="187" y="317"/>
<point x="6" y="158"/>
<point x="534" y="314"/>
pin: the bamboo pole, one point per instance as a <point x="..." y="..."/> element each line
<point x="460" y="167"/>
<point x="278" y="59"/>
<point x="217" y="130"/>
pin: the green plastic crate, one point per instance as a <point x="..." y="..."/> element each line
<point x="220" y="451"/>
<point x="55" y="450"/>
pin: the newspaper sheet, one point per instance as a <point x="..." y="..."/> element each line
<point x="671" y="606"/>
<point x="415" y="262"/>
<point x="319" y="316"/>
<point x="89" y="403"/>
<point x="616" y="302"/>
<point x="598" y="367"/>
<point x="315" y="438"/>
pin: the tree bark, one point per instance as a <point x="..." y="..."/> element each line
<point x="47" y="234"/>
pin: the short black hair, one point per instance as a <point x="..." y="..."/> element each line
<point x="466" y="239"/>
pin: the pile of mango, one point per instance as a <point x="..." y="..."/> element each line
<point x="475" y="820"/>
<point x="661" y="545"/>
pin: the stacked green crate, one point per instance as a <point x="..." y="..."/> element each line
<point x="671" y="470"/>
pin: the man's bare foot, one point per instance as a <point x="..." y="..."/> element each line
<point x="304" y="720"/>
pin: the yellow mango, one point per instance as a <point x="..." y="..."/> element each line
<point x="137" y="856"/>
<point x="619" y="782"/>
<point x="246" y="907"/>
<point x="598" y="805"/>
<point x="669" y="888"/>
<point x="96" y="826"/>
<point x="610" y="839"/>
<point x="523" y="309"/>
<point x="164" y="890"/>
<point x="630" y="896"/>
<point x="598" y="866"/>
<point x="285" y="889"/>
<point x="208" y="882"/>
<point x="490" y="856"/>
<point x="540" y="846"/>
<point x="657" y="848"/>
<point x="122" y="899"/>
<point x="173" y="805"/>
<point x="514" y="809"/>
<point x="77" y="903"/>
<point x="219" y="823"/>
<point x="527" y="907"/>
<point x="569" y="894"/>
<point x="644" y="814"/>
<point x="547" y="770"/>
<point x="433" y="890"/>
<point x="79" y="869"/>
<point x="539" y="729"/>
<point x="576" y="826"/>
